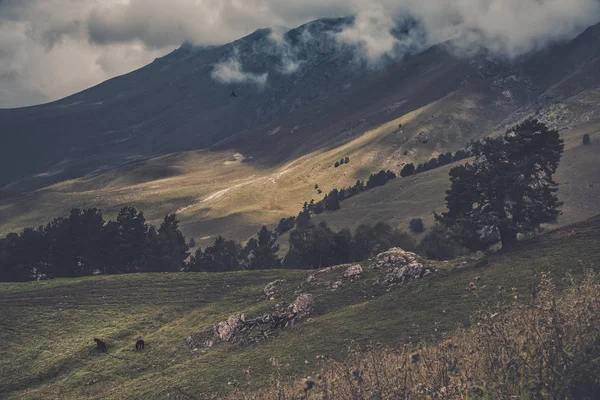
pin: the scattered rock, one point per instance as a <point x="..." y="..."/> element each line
<point x="273" y="288"/>
<point x="353" y="272"/>
<point x="335" y="286"/>
<point x="311" y="278"/>
<point x="225" y="330"/>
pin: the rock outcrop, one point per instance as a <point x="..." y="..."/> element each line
<point x="353" y="272"/>
<point x="240" y="330"/>
<point x="400" y="266"/>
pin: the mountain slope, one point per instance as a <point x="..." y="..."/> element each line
<point x="290" y="132"/>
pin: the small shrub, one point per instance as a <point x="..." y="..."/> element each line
<point x="586" y="139"/>
<point x="337" y="164"/>
<point x="192" y="243"/>
<point x="416" y="225"/>
<point x="346" y="160"/>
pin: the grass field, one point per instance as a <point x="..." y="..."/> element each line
<point x="46" y="328"/>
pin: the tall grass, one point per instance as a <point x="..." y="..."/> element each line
<point x="545" y="347"/>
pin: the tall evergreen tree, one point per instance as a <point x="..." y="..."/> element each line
<point x="126" y="242"/>
<point x="264" y="255"/>
<point x="167" y="247"/>
<point x="222" y="256"/>
<point x="509" y="188"/>
<point x="333" y="200"/>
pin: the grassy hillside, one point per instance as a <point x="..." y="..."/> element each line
<point x="46" y="328"/>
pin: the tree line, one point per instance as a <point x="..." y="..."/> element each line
<point x="83" y="243"/>
<point x="331" y="201"/>
<point x="435" y="162"/>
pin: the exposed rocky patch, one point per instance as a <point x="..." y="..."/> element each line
<point x="353" y="272"/>
<point x="400" y="266"/>
<point x="240" y="330"/>
<point x="274" y="289"/>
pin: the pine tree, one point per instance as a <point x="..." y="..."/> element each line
<point x="407" y="170"/>
<point x="509" y="188"/>
<point x="333" y="201"/>
<point x="264" y="255"/>
<point x="167" y="247"/>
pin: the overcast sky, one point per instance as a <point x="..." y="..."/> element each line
<point x="52" y="48"/>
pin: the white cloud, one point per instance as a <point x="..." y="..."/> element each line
<point x="52" y="48"/>
<point x="230" y="71"/>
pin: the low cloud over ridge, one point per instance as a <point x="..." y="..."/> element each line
<point x="231" y="71"/>
<point x="52" y="48"/>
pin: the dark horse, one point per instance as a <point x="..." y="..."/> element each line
<point x="139" y="345"/>
<point x="100" y="345"/>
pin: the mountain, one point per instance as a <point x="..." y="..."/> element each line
<point x="170" y="137"/>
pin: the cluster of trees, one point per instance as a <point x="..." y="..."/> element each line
<point x="228" y="255"/>
<point x="435" y="162"/>
<point x="331" y="201"/>
<point x="343" y="160"/>
<point x="318" y="246"/>
<point x="84" y="244"/>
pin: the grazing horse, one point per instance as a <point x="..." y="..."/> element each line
<point x="100" y="345"/>
<point x="139" y="345"/>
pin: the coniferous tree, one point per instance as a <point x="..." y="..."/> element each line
<point x="264" y="255"/>
<point x="195" y="262"/>
<point x="586" y="139"/>
<point x="460" y="155"/>
<point x="416" y="225"/>
<point x="509" y="188"/>
<point x="303" y="220"/>
<point x="333" y="201"/>
<point x="222" y="256"/>
<point x="167" y="247"/>
<point x="407" y="170"/>
<point x="126" y="242"/>
<point x="285" y="224"/>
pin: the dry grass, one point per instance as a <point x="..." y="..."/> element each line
<point x="547" y="346"/>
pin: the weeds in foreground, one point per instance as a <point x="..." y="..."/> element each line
<point x="548" y="347"/>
